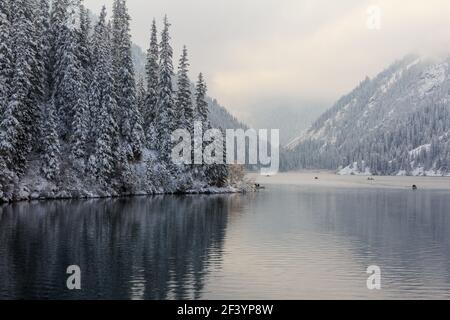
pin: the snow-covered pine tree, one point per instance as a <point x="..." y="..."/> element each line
<point x="152" y="75"/>
<point x="11" y="131"/>
<point x="80" y="130"/>
<point x="19" y="118"/>
<point x="201" y="105"/>
<point x="36" y="86"/>
<point x="42" y="40"/>
<point x="71" y="94"/>
<point x="165" y="121"/>
<point x="82" y="75"/>
<point x="103" y="107"/>
<point x="5" y="54"/>
<point x="218" y="174"/>
<point x="215" y="174"/>
<point x="65" y="66"/>
<point x="41" y="71"/>
<point x="130" y="120"/>
<point x="185" y="107"/>
<point x="141" y="95"/>
<point x="84" y="53"/>
<point x="51" y="145"/>
<point x="96" y="49"/>
<point x="184" y="112"/>
<point x="6" y="176"/>
<point x="95" y="53"/>
<point x="200" y="116"/>
<point x="8" y="121"/>
<point x="59" y="17"/>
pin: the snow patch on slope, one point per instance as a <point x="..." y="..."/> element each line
<point x="432" y="79"/>
<point x="416" y="152"/>
<point x="353" y="170"/>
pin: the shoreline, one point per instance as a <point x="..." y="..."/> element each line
<point x="332" y="180"/>
<point x="63" y="195"/>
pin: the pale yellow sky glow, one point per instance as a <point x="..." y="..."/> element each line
<point x="254" y="52"/>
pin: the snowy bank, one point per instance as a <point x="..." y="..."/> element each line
<point x="144" y="178"/>
<point x="43" y="190"/>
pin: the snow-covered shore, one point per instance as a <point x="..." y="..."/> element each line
<point x="35" y="187"/>
<point x="51" y="192"/>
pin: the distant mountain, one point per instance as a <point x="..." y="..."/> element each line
<point x="395" y="124"/>
<point x="219" y="116"/>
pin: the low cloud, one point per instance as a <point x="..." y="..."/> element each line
<point x="255" y="52"/>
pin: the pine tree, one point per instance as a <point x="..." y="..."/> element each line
<point x="200" y="116"/>
<point x="9" y="125"/>
<point x="80" y="128"/>
<point x="95" y="53"/>
<point x="130" y="120"/>
<point x="103" y="107"/>
<point x="42" y="40"/>
<point x="184" y="113"/>
<point x="219" y="173"/>
<point x="81" y="76"/>
<point x="6" y="118"/>
<point x="51" y="152"/>
<point x="41" y="71"/>
<point x="215" y="174"/>
<point x="84" y="53"/>
<point x="185" y="108"/>
<point x="201" y="106"/>
<point x="59" y="17"/>
<point x="141" y="95"/>
<point x="165" y="121"/>
<point x="5" y="54"/>
<point x="66" y="68"/>
<point x="72" y="89"/>
<point x="11" y="131"/>
<point x="19" y="118"/>
<point x="29" y="54"/>
<point x="152" y="69"/>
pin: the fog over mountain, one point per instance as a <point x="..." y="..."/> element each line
<point x="256" y="52"/>
<point x="291" y="118"/>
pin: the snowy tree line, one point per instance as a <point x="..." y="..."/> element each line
<point x="396" y="123"/>
<point x="72" y="112"/>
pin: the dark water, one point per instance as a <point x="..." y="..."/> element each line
<point x="283" y="243"/>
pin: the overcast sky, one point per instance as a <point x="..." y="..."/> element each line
<point x="257" y="53"/>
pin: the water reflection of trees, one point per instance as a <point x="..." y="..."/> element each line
<point x="150" y="248"/>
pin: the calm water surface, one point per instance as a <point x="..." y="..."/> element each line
<point x="287" y="242"/>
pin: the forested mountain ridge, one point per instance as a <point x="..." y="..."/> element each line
<point x="74" y="122"/>
<point x="395" y="124"/>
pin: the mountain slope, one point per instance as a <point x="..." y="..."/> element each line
<point x="395" y="124"/>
